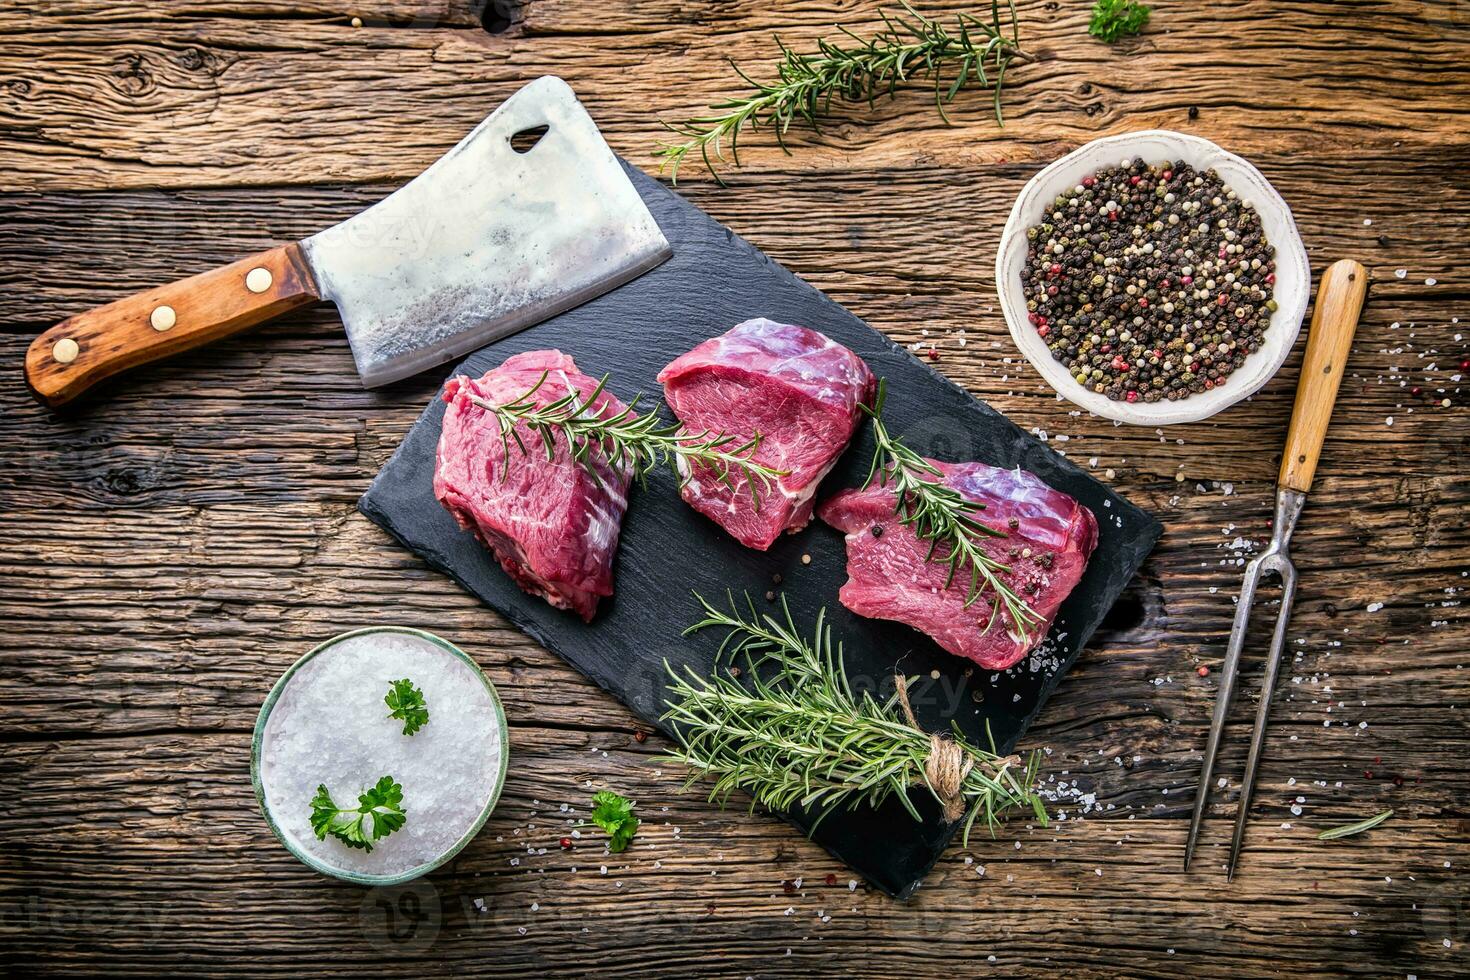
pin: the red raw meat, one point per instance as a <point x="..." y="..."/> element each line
<point x="552" y="526"/>
<point x="794" y="387"/>
<point x="889" y="578"/>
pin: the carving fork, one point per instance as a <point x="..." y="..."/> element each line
<point x="1339" y="301"/>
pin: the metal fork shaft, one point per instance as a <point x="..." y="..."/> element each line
<point x="1274" y="559"/>
<point x="1228" y="674"/>
<point x="1263" y="712"/>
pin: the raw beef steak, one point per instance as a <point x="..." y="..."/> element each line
<point x="797" y="390"/>
<point x="1049" y="538"/>
<point x="551" y="524"/>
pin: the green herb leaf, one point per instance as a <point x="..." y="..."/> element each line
<point x="855" y="69"/>
<point x="406" y="703"/>
<point x="614" y="814"/>
<point x="1355" y="828"/>
<point x="1114" y="19"/>
<point x="379" y="813"/>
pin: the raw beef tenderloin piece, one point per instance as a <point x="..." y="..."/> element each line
<point x="794" y="387"/>
<point x="550" y="523"/>
<point x="1049" y="538"/>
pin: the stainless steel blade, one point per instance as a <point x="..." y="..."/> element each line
<point x="488" y="240"/>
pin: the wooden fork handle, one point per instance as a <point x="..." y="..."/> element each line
<point x="1334" y="320"/>
<point x="80" y="351"/>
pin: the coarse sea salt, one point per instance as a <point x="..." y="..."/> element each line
<point x="330" y="726"/>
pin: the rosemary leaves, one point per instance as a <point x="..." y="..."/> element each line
<point x="908" y="46"/>
<point x="941" y="515"/>
<point x="795" y="734"/>
<point x="641" y="443"/>
<point x="1353" y="829"/>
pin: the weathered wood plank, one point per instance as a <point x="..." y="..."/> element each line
<point x="168" y="550"/>
<point x="209" y="99"/>
<point x="143" y="836"/>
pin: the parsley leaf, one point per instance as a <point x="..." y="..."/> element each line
<point x="614" y="814"/>
<point x="406" y="703"/>
<point x="379" y="813"/>
<point x="1113" y="19"/>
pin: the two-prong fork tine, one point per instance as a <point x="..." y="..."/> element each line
<point x="1274" y="559"/>
<point x="1228" y="674"/>
<point x="1281" y="563"/>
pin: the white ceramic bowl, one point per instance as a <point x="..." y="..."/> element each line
<point x="1293" y="274"/>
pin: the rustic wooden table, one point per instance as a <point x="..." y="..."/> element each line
<point x="168" y="550"/>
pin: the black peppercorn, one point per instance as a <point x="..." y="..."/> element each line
<point x="1169" y="300"/>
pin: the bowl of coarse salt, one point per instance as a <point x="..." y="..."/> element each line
<point x="379" y="755"/>
<point x="1059" y="183"/>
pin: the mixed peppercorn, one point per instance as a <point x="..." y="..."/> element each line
<point x="1150" y="282"/>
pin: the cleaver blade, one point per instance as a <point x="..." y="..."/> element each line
<point x="504" y="231"/>
<point x="487" y="241"/>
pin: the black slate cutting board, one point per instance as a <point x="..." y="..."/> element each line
<point x="714" y="281"/>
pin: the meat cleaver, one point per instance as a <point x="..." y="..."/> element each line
<point x="487" y="241"/>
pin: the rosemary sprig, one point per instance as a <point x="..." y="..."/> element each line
<point x="910" y="45"/>
<point x="640" y="443"/>
<point x="941" y="515"/>
<point x="796" y="734"/>
<point x="1337" y="833"/>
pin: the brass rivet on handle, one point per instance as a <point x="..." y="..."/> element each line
<point x="65" y="350"/>
<point x="258" y="280"/>
<point x="163" y="318"/>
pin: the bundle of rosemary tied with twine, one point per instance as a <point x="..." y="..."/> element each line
<point x="793" y="733"/>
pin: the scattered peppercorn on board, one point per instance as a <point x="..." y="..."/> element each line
<point x="715" y="280"/>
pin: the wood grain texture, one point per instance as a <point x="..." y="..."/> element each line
<point x="165" y="553"/>
<point x="1335" y="312"/>
<point x="82" y="351"/>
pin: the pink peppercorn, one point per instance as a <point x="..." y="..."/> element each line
<point x="1132" y="396"/>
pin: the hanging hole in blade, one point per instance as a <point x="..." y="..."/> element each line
<point x="523" y="141"/>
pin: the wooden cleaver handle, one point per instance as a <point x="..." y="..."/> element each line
<point x="1335" y="319"/>
<point x="80" y="351"/>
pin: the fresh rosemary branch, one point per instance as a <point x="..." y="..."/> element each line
<point x="1114" y="19"/>
<point x="641" y="443"/>
<point x="941" y="515"/>
<point x="796" y="734"/>
<point x="910" y="45"/>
